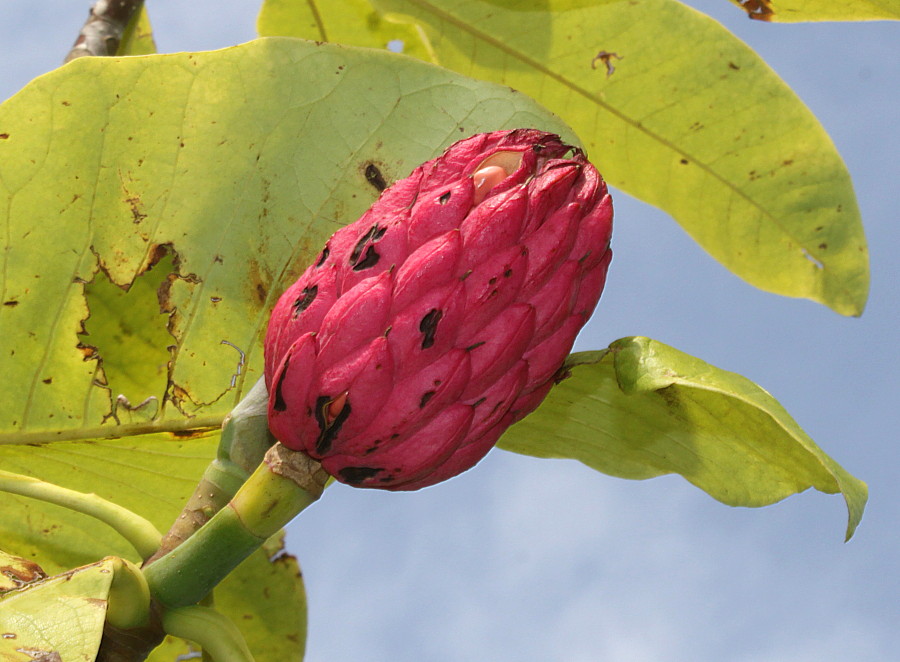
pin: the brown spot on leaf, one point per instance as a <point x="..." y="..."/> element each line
<point x="12" y="303"/>
<point x="4" y="136"/>
<point x="260" y="280"/>
<point x="758" y="10"/>
<point x="606" y="58"/>
<point x="87" y="352"/>
<point x="134" y="203"/>
<point x="193" y="433"/>
<point x="374" y="177"/>
<point x="39" y="655"/>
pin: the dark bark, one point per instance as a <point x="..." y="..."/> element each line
<point x="102" y="32"/>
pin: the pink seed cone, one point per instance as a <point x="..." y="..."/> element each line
<point x="440" y="317"/>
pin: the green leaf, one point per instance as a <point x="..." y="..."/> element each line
<point x="153" y="476"/>
<point x="138" y="36"/>
<point x="678" y="112"/>
<point x="793" y="11"/>
<point x="59" y="618"/>
<point x="642" y="409"/>
<point x="154" y="208"/>
<point x="257" y="154"/>
<point x="352" y="22"/>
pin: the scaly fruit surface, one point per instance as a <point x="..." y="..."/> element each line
<point x="440" y="317"/>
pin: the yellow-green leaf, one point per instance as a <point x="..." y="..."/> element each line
<point x="153" y="476"/>
<point x="677" y="111"/>
<point x="138" y="36"/>
<point x="154" y="208"/>
<point x="352" y="22"/>
<point x="255" y="156"/>
<point x="60" y="618"/>
<point x="642" y="409"/>
<point x="793" y="11"/>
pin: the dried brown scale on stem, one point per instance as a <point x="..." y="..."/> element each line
<point x="103" y="30"/>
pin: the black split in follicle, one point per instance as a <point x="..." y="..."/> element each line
<point x="370" y="259"/>
<point x="356" y="475"/>
<point x="307" y="296"/>
<point x="329" y="422"/>
<point x="323" y="257"/>
<point x="428" y="326"/>
<point x="363" y="260"/>
<point x="280" y="404"/>
<point x="426" y="396"/>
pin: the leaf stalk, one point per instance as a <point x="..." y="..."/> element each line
<point x="140" y="532"/>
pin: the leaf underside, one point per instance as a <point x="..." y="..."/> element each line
<point x="687" y="118"/>
<point x="643" y="409"/>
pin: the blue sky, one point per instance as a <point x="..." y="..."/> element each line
<point x="523" y="559"/>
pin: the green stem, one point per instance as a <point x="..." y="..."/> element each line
<point x="283" y="485"/>
<point x="141" y="533"/>
<point x="215" y="633"/>
<point x="244" y="441"/>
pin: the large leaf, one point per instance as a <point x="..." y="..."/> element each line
<point x="153" y="209"/>
<point x="642" y="409"/>
<point x="352" y="22"/>
<point x="678" y="112"/>
<point x="60" y="618"/>
<point x="793" y="11"/>
<point x="153" y="476"/>
<point x="238" y="164"/>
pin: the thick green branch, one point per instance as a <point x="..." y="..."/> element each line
<point x="244" y="441"/>
<point x="285" y="483"/>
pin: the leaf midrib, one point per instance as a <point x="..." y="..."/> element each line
<point x="199" y="426"/>
<point x="466" y="27"/>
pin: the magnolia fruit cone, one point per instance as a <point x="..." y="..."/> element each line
<point x="442" y="315"/>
